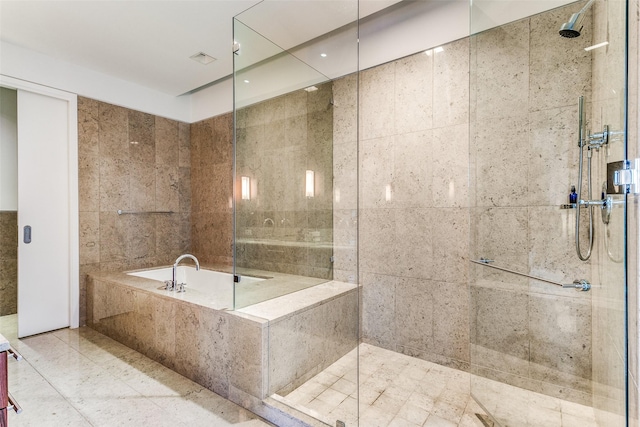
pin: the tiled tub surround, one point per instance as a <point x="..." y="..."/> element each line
<point x="243" y="355"/>
<point x="136" y="162"/>
<point x="523" y="160"/>
<point x="280" y="228"/>
<point x="8" y="262"/>
<point x="212" y="190"/>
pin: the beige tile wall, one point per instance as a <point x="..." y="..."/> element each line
<point x="212" y="189"/>
<point x="525" y="83"/>
<point x="8" y="263"/>
<point x="279" y="228"/>
<point x="416" y="217"/>
<point x="151" y="174"/>
<point x="414" y="213"/>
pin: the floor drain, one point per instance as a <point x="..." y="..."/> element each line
<point x="488" y="422"/>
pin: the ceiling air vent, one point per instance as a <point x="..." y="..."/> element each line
<point x="202" y="58"/>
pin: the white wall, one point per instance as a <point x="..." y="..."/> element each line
<point x="404" y="29"/>
<point x="27" y="65"/>
<point x="8" y="150"/>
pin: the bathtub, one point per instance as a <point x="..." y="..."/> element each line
<point x="198" y="334"/>
<point x="217" y="285"/>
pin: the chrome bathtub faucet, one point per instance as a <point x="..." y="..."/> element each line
<point x="173" y="284"/>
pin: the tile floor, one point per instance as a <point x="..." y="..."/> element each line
<point x="398" y="390"/>
<point x="79" y="377"/>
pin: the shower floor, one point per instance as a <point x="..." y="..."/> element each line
<point x="399" y="390"/>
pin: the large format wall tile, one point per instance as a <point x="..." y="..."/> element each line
<point x="451" y="85"/>
<point x="113" y="131"/>
<point x="141" y="137"/>
<point x="212" y="189"/>
<point x="524" y="153"/>
<point x="277" y="142"/>
<point x="450" y="166"/>
<point x="413" y="173"/>
<point x="377" y="102"/>
<point x="414" y="217"/>
<point x="129" y="160"/>
<point x="502" y="71"/>
<point x="88" y="127"/>
<point x="501" y="153"/>
<point x="378" y="309"/>
<point x="88" y="181"/>
<point x="413" y="94"/>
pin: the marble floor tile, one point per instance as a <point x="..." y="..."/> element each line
<point x="79" y="377"/>
<point x="82" y="378"/>
<point x="398" y="390"/>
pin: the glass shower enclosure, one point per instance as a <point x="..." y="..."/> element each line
<point x="548" y="286"/>
<point x="295" y="209"/>
<point x="546" y="290"/>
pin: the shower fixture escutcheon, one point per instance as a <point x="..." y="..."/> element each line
<point x="579" y="285"/>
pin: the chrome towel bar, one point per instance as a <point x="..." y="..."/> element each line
<point x="579" y="285"/>
<point x="121" y="212"/>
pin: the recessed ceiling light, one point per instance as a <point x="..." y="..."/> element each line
<point x="202" y="58"/>
<point x="324" y="55"/>
<point x="246" y="81"/>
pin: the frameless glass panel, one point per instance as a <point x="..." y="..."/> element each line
<point x="295" y="240"/>
<point x="283" y="160"/>
<point x="543" y="353"/>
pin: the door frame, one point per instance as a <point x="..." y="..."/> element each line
<point x="73" y="214"/>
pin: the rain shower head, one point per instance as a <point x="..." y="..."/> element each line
<point x="573" y="27"/>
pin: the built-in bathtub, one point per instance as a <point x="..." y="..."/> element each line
<point x="245" y="355"/>
<point x="215" y="286"/>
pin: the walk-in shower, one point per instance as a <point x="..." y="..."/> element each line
<point x="549" y="341"/>
<point x="439" y="337"/>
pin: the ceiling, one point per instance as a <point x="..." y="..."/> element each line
<point x="150" y="42"/>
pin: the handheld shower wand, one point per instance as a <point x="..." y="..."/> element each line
<point x="582" y="141"/>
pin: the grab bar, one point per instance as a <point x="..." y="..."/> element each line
<point x="121" y="212"/>
<point x="580" y="285"/>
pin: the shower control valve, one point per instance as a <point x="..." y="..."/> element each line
<point x="597" y="140"/>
